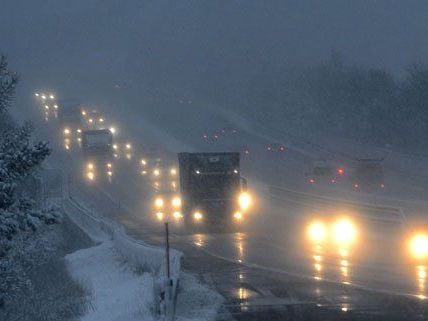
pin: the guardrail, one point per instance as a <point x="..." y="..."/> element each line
<point x="137" y="253"/>
<point x="375" y="212"/>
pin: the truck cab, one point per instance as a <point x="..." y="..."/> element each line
<point x="97" y="148"/>
<point x="212" y="190"/>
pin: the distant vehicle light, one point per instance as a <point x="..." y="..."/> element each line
<point x="159" y="216"/>
<point x="156" y="172"/>
<point x="46" y="107"/>
<point x="143" y="162"/>
<point x="91" y="176"/>
<point x="79" y="131"/>
<point x="112" y="130"/>
<point x="173" y="171"/>
<point x="198" y="216"/>
<point x="66" y="131"/>
<point x="37" y="94"/>
<point x="91" y="120"/>
<point x="109" y="173"/>
<point x="109" y="165"/>
<point x="101" y="120"/>
<point x="56" y="106"/>
<point x="67" y="147"/>
<point x="419" y="246"/>
<point x="344" y="231"/>
<point x="382" y="185"/>
<point x="128" y="146"/>
<point x="238" y="216"/>
<point x="235" y="171"/>
<point x="244" y="201"/>
<point x="340" y="171"/>
<point x="51" y="96"/>
<point x="43" y="97"/>
<point x="317" y="232"/>
<point x="356" y="186"/>
<point x="114" y="146"/>
<point x="144" y="172"/>
<point x="197" y="172"/>
<point x="176" y="202"/>
<point x="177" y="215"/>
<point x="159" y="202"/>
<point x="90" y="166"/>
<point x="83" y="113"/>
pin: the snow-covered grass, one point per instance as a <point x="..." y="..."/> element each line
<point x="122" y="274"/>
<point x="117" y="292"/>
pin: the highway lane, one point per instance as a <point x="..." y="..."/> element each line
<point x="275" y="247"/>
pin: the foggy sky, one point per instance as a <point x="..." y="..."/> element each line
<point x="100" y="43"/>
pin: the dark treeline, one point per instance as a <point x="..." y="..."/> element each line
<point x="333" y="98"/>
<point x="366" y="104"/>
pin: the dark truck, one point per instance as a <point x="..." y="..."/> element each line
<point x="69" y="114"/>
<point x="213" y="192"/>
<point x="368" y="175"/>
<point x="97" y="147"/>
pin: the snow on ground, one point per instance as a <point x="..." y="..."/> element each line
<point x="117" y="292"/>
<point x="195" y="301"/>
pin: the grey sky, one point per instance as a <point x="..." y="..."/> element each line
<point x="161" y="41"/>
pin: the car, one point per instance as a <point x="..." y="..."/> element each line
<point x="275" y="148"/>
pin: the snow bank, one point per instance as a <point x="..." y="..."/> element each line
<point x="117" y="293"/>
<point x="137" y="253"/>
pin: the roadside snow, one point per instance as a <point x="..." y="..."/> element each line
<point x="117" y="293"/>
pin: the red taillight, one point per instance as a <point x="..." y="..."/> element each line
<point x="312" y="181"/>
<point x="333" y="181"/>
<point x="340" y="171"/>
<point x="356" y="186"/>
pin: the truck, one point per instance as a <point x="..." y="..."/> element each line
<point x="368" y="175"/>
<point x="213" y="192"/>
<point x="97" y="148"/>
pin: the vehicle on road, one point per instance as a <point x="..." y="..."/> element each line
<point x="213" y="192"/>
<point x="97" y="148"/>
<point x="275" y="148"/>
<point x="324" y="172"/>
<point x="368" y="175"/>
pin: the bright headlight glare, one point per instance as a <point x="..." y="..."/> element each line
<point x="344" y="231"/>
<point x="176" y="202"/>
<point x="244" y="201"/>
<point x="238" y="216"/>
<point x="90" y="166"/>
<point x="159" y="202"/>
<point x="419" y="246"/>
<point x="197" y="216"/>
<point x="317" y="232"/>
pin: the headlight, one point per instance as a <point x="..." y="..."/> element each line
<point x="244" y="201"/>
<point x="110" y="173"/>
<point x="177" y="215"/>
<point x="156" y="172"/>
<point x="144" y="172"/>
<point x="91" y="120"/>
<point x="114" y="146"/>
<point x="101" y="120"/>
<point x="109" y="165"/>
<point x="79" y="131"/>
<point x="112" y="130"/>
<point x="90" y="175"/>
<point x="317" y="232"/>
<point x="344" y="231"/>
<point x="176" y="202"/>
<point x="159" y="216"/>
<point x="198" y="216"/>
<point x="83" y="113"/>
<point x="159" y="202"/>
<point x="51" y="96"/>
<point x="56" y="106"/>
<point x="173" y="172"/>
<point x="128" y="146"/>
<point x="238" y="216"/>
<point x="419" y="246"/>
<point x="46" y="107"/>
<point x="143" y="162"/>
<point x="66" y="131"/>
<point x="90" y="166"/>
<point x="43" y="97"/>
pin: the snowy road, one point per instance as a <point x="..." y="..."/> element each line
<point x="271" y="267"/>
